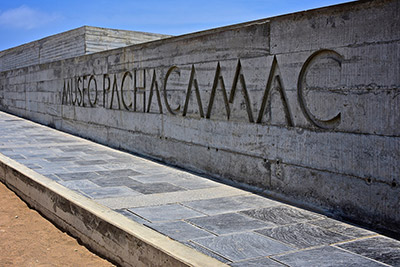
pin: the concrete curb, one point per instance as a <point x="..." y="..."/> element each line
<point x="106" y="232"/>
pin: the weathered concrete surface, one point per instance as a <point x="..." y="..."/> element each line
<point x="76" y="42"/>
<point x="303" y="106"/>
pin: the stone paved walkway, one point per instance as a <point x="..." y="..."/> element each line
<point x="229" y="224"/>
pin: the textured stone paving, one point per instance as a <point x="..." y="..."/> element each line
<point x="229" y="224"/>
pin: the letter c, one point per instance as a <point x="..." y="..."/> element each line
<point x="324" y="124"/>
<point x="170" y="70"/>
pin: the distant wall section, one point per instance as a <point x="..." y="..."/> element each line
<point x="76" y="42"/>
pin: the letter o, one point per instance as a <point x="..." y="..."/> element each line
<point x="92" y="104"/>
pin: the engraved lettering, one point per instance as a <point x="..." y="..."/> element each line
<point x="92" y="78"/>
<point x="139" y="90"/>
<point x="218" y="79"/>
<point x="105" y="89"/>
<point x="74" y="90"/>
<point x="66" y="93"/>
<point x="239" y="77"/>
<point x="170" y="70"/>
<point x="193" y="82"/>
<point x="126" y="74"/>
<point x="83" y="90"/>
<point x="115" y="91"/>
<point x="154" y="86"/>
<point x="301" y="84"/>
<point x="273" y="75"/>
<point x="78" y="90"/>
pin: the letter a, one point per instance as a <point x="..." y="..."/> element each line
<point x="268" y="90"/>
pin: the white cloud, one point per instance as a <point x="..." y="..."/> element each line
<point x="25" y="17"/>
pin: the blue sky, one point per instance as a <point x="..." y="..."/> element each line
<point x="25" y="21"/>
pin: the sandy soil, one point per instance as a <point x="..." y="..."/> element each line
<point x="28" y="239"/>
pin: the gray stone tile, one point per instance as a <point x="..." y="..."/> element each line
<point x="78" y="184"/>
<point x="79" y="156"/>
<point x="118" y="173"/>
<point x="90" y="151"/>
<point x="16" y="156"/>
<point x="243" y="246"/>
<point x="227" y="204"/>
<point x="33" y="166"/>
<point x="9" y="153"/>
<point x="257" y="201"/>
<point x="50" y="171"/>
<point x="303" y="235"/>
<point x="155" y="188"/>
<point x="115" y="159"/>
<point x="379" y="248"/>
<point x="342" y="228"/>
<point x="154" y="178"/>
<point x="116" y="181"/>
<point x="170" y="212"/>
<point x="325" y="256"/>
<point x="74" y="148"/>
<point x="94" y="151"/>
<point x="42" y="155"/>
<point x="57" y="167"/>
<point x="91" y="168"/>
<point x="228" y="223"/>
<point x="194" y="183"/>
<point x="206" y="251"/>
<point x="127" y="161"/>
<point x="262" y="262"/>
<point x="282" y="215"/>
<point x="93" y="157"/>
<point x="132" y="216"/>
<point x="53" y="177"/>
<point x="108" y="192"/>
<point x="149" y="169"/>
<point x="78" y="175"/>
<point x="61" y="159"/>
<point x="216" y="205"/>
<point x="121" y="165"/>
<point x="91" y="162"/>
<point x="179" y="230"/>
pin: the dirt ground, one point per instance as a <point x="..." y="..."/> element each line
<point x="28" y="239"/>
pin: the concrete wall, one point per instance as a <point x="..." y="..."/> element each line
<point x="76" y="42"/>
<point x="304" y="107"/>
<point x="100" y="39"/>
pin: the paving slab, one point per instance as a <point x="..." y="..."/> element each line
<point x="154" y="188"/>
<point x="215" y="206"/>
<point x="169" y="212"/>
<point x="243" y="246"/>
<point x="115" y="181"/>
<point x="378" y="248"/>
<point x="206" y="251"/>
<point x="161" y="204"/>
<point x="281" y="215"/>
<point x="325" y="256"/>
<point x="106" y="192"/>
<point x="228" y="223"/>
<point x="262" y="262"/>
<point x="342" y="228"/>
<point x="79" y="184"/>
<point x="303" y="235"/>
<point x="180" y="230"/>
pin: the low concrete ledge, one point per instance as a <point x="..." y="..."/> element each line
<point x="106" y="232"/>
